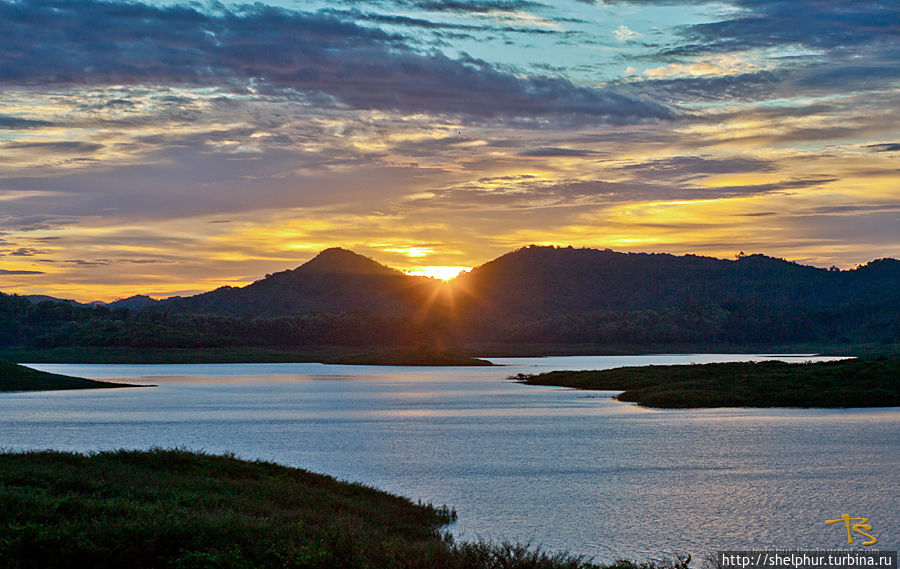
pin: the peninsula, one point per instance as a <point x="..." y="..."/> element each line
<point x="864" y="382"/>
<point x="14" y="377"/>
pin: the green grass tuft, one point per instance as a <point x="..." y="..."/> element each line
<point x="177" y="509"/>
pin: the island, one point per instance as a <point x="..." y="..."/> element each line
<point x="15" y="377"/>
<point x="173" y="508"/>
<point x="863" y="382"/>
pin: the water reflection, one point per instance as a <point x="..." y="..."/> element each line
<point x="564" y="468"/>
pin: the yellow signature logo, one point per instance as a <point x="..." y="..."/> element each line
<point x="861" y="526"/>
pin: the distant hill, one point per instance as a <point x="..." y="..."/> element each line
<point x="37" y="298"/>
<point x="135" y="302"/>
<point x="537" y="281"/>
<point x="335" y="281"/>
<point x="549" y="295"/>
<point x="545" y="294"/>
<point x="566" y="294"/>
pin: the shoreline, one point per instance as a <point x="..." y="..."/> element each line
<point x="850" y="383"/>
<point x="175" y="508"/>
<point x="15" y="378"/>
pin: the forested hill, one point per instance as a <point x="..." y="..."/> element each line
<point x="335" y="281"/>
<point x="538" y="281"/>
<point x="587" y="295"/>
<point x="531" y="295"/>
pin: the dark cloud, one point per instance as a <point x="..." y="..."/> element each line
<point x="521" y="193"/>
<point x="772" y="114"/>
<point x="837" y="46"/>
<point x="741" y="87"/>
<point x="279" y="52"/>
<point x="181" y="180"/>
<point x="16" y="123"/>
<point x="688" y="167"/>
<point x="79" y="262"/>
<point x="57" y="146"/>
<point x="752" y="189"/>
<point x="476" y="6"/>
<point x="855" y="209"/>
<point x="816" y="24"/>
<point x="431" y="147"/>
<point x="29" y="221"/>
<point x="143" y="261"/>
<point x="7" y="272"/>
<point x="398" y="20"/>
<point x="551" y="151"/>
<point x="885" y="147"/>
<point x="880" y="71"/>
<point x="85" y="263"/>
<point x="24" y="252"/>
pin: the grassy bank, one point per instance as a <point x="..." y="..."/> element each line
<point x="319" y="354"/>
<point x="14" y="377"/>
<point x="156" y="509"/>
<point x="867" y="382"/>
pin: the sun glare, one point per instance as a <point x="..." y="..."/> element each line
<point x="442" y="273"/>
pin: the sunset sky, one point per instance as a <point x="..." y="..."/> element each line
<point x="170" y="148"/>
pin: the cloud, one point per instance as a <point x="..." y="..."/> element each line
<point x="710" y="66"/>
<point x="885" y="147"/>
<point x="623" y="33"/>
<point x="24" y="252"/>
<point x="16" y="123"/>
<point x="855" y="209"/>
<point x="408" y="21"/>
<point x="7" y="272"/>
<point x="816" y="24"/>
<point x="276" y="52"/>
<point x="792" y="48"/>
<point x="56" y="146"/>
<point x="555" y="151"/>
<point x="477" y="6"/>
<point x="678" y="168"/>
<point x="741" y="87"/>
<point x="673" y="181"/>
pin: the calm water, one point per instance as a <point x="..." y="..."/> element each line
<point x="568" y="469"/>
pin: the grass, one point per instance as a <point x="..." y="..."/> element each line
<point x="865" y="382"/>
<point x="181" y="510"/>
<point x="319" y="354"/>
<point x="14" y="377"/>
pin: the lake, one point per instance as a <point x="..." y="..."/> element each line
<point x="571" y="470"/>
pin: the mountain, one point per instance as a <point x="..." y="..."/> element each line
<point x="38" y="298"/>
<point x="547" y="295"/>
<point x="135" y="302"/>
<point x="564" y="294"/>
<point x="536" y="281"/>
<point x="335" y="281"/>
<point x="553" y="294"/>
<point x="338" y="261"/>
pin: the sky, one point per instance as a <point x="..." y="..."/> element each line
<point x="168" y="148"/>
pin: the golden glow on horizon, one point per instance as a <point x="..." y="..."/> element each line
<point x="448" y="195"/>
<point x="411" y="251"/>
<point x="438" y="272"/>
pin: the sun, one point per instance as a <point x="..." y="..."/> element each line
<point x="438" y="272"/>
